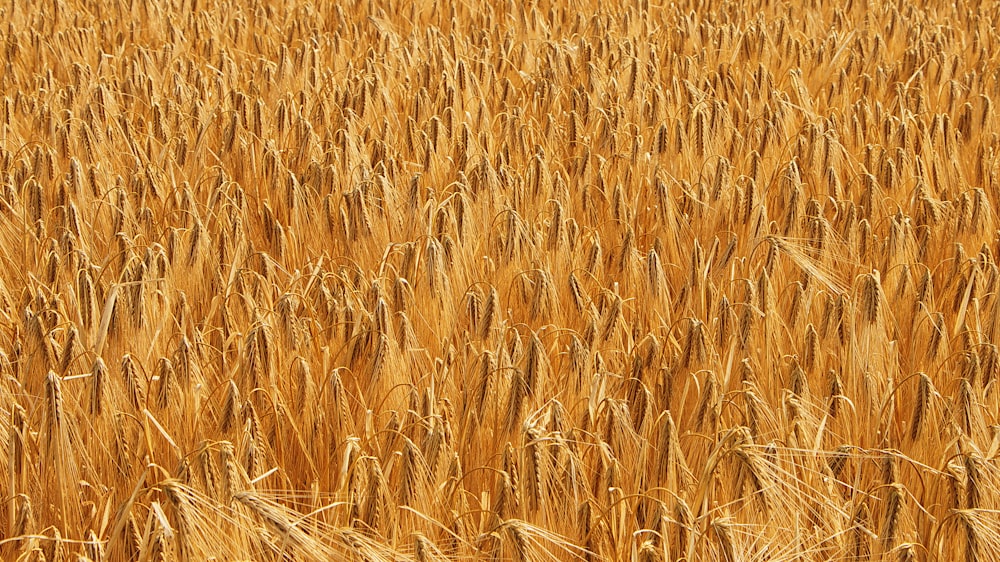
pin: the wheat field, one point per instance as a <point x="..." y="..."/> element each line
<point x="486" y="280"/>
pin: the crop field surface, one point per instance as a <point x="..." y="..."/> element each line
<point x="482" y="281"/>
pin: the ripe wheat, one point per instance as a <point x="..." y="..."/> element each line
<point x="432" y="281"/>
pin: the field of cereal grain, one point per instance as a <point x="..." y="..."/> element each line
<point x="487" y="280"/>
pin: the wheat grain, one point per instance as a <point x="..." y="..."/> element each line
<point x="351" y="253"/>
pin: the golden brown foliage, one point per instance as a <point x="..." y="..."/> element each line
<point x="508" y="281"/>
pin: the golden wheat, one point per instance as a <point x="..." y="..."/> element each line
<point x="389" y="280"/>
